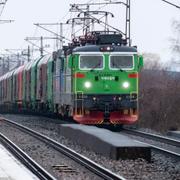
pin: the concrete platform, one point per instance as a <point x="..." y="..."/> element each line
<point x="105" y="142"/>
<point x="11" y="168"/>
<point x="175" y="134"/>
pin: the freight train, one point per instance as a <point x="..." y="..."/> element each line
<point x="94" y="80"/>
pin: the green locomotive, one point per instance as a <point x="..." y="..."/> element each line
<point x="101" y="80"/>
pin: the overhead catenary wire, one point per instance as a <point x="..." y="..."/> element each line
<point x="77" y="8"/>
<point x="39" y="25"/>
<point x="13" y="53"/>
<point x="35" y="45"/>
<point x="89" y="24"/>
<point x="172" y="4"/>
<point x="66" y="32"/>
<point x="92" y="22"/>
<point x="3" y="6"/>
<point x="101" y="23"/>
<point x="91" y="1"/>
<point x="3" y="3"/>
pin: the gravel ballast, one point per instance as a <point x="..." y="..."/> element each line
<point x="54" y="162"/>
<point x="162" y="167"/>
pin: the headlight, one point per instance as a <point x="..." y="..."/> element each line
<point x="126" y="85"/>
<point x="87" y="84"/>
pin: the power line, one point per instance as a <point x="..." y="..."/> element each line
<point x="6" y="21"/>
<point x="41" y="47"/>
<point x="61" y="37"/>
<point x="75" y="7"/>
<point x="172" y="4"/>
<point x="84" y="8"/>
<point x="3" y="3"/>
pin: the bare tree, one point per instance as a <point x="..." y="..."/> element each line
<point x="175" y="40"/>
<point x="159" y="95"/>
<point x="159" y="100"/>
<point x="175" y="44"/>
<point x="152" y="61"/>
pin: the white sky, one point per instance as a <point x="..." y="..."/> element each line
<point x="151" y="22"/>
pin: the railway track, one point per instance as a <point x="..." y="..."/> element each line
<point x="92" y="166"/>
<point x="25" y="159"/>
<point x="158" y="138"/>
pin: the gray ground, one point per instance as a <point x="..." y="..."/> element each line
<point x="161" y="167"/>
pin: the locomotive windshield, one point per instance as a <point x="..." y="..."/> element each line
<point x="121" y="62"/>
<point x="91" y="62"/>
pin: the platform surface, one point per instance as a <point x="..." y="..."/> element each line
<point x="103" y="141"/>
<point x="11" y="168"/>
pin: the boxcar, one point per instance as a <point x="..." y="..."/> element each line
<point x="27" y="84"/>
<point x="41" y="89"/>
<point x="33" y="85"/>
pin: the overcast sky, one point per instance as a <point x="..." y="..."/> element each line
<point x="151" y="21"/>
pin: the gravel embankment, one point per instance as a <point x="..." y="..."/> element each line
<point x="161" y="168"/>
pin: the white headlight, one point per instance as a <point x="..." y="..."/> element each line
<point x="87" y="84"/>
<point x="126" y="85"/>
<point x="108" y="48"/>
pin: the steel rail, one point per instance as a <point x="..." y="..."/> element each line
<point x="155" y="137"/>
<point x="160" y="138"/>
<point x="35" y="168"/>
<point x="162" y="150"/>
<point x="80" y="159"/>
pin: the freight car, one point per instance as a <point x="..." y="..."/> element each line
<point x="94" y="80"/>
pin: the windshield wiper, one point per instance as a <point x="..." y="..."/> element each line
<point x="114" y="64"/>
<point x="92" y="69"/>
